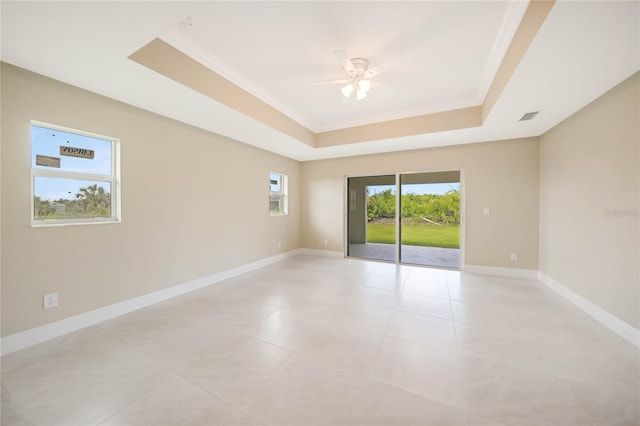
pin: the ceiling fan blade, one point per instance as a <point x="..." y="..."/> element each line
<point x="384" y="66"/>
<point x="345" y="61"/>
<point x="328" y="82"/>
<point x="381" y="87"/>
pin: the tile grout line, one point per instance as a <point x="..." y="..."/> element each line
<point x="460" y="355"/>
<point x="564" y="384"/>
<point x="270" y="379"/>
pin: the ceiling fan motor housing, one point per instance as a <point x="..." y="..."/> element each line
<point x="361" y="65"/>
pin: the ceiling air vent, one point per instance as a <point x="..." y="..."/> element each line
<point x="529" y="116"/>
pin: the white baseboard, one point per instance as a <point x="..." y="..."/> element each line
<point x="503" y="272"/>
<point x="322" y="253"/>
<point x="613" y="323"/>
<point x="25" y="339"/>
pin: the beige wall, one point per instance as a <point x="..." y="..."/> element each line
<point x="193" y="204"/>
<point x="589" y="167"/>
<point x="203" y="209"/>
<point x="500" y="175"/>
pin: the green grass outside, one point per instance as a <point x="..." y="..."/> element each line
<point x="447" y="236"/>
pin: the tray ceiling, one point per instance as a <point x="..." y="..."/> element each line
<point x="452" y="72"/>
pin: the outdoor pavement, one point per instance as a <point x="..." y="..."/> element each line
<point x="426" y="256"/>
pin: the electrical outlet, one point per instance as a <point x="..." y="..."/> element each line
<point x="326" y="242"/>
<point x="50" y="301"/>
<point x="514" y="257"/>
<point x="279" y="244"/>
<point x="487" y="211"/>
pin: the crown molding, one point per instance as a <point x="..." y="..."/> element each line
<point x="510" y="23"/>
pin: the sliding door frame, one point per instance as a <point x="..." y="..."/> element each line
<point x="398" y="230"/>
<point x="347" y="207"/>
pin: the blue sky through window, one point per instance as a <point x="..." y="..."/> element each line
<point x="53" y="189"/>
<point x="47" y="142"/>
<point x="423" y="188"/>
<point x="275" y="182"/>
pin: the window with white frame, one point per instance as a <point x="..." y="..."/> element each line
<point x="75" y="176"/>
<point x="277" y="194"/>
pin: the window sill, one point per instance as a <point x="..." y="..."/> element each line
<point x="54" y="223"/>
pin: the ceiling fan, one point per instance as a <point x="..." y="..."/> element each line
<point x="358" y="80"/>
<point x="358" y="77"/>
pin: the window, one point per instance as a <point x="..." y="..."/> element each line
<point x="277" y="194"/>
<point x="74" y="177"/>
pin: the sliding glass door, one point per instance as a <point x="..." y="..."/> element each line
<point x="372" y="217"/>
<point x="430" y="225"/>
<point x="410" y="218"/>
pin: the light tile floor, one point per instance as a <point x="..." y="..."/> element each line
<point x="313" y="340"/>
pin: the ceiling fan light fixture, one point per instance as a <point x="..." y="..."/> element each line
<point x="361" y="87"/>
<point x="364" y="85"/>
<point x="357" y="75"/>
<point x="347" y="90"/>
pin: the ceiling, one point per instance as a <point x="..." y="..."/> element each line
<point x="432" y="63"/>
<point x="451" y="72"/>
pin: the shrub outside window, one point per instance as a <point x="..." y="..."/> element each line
<point x="75" y="177"/>
<point x="277" y="194"/>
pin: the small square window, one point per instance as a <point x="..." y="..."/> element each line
<point x="277" y="194"/>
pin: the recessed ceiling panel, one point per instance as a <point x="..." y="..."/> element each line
<point x="433" y="56"/>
